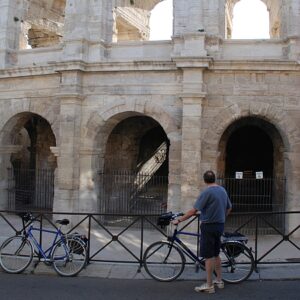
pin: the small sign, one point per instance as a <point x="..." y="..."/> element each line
<point x="259" y="175"/>
<point x="238" y="175"/>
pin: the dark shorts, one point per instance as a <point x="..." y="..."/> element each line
<point x="210" y="241"/>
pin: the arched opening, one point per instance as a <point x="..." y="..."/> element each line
<point x="139" y="20"/>
<point x="135" y="175"/>
<point x="42" y="23"/>
<point x="161" y="21"/>
<point x="251" y="167"/>
<point x="31" y="175"/>
<point x="247" y="19"/>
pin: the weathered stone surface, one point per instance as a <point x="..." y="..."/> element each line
<point x="200" y="87"/>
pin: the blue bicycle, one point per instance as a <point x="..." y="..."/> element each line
<point x="67" y="253"/>
<point x="166" y="260"/>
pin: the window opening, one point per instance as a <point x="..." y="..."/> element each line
<point x="250" y="20"/>
<point x="161" y="21"/>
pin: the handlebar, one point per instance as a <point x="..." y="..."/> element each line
<point x="165" y="218"/>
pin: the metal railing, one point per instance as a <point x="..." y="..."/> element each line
<point x="127" y="244"/>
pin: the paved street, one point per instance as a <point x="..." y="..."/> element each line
<point x="20" y="287"/>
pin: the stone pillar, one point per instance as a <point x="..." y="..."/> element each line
<point x="89" y="181"/>
<point x="293" y="29"/>
<point x="292" y="167"/>
<point x="75" y="30"/>
<point x="88" y="26"/>
<point x="174" y="187"/>
<point x="10" y="18"/>
<point x="189" y="32"/>
<point x="193" y="93"/>
<point x="191" y="150"/>
<point x="68" y="164"/>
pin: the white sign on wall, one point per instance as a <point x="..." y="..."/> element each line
<point x="259" y="175"/>
<point x="238" y="175"/>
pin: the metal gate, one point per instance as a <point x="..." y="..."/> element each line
<point x="127" y="192"/>
<point x="30" y="189"/>
<point x="256" y="195"/>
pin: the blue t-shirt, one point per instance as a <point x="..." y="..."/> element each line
<point x="213" y="203"/>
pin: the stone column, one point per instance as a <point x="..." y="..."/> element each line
<point x="293" y="29"/>
<point x="89" y="181"/>
<point x="193" y="93"/>
<point x="189" y="32"/>
<point x="88" y="26"/>
<point x="292" y="167"/>
<point x="68" y="164"/>
<point x="10" y="18"/>
<point x="75" y="30"/>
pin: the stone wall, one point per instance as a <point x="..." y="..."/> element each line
<point x="196" y="87"/>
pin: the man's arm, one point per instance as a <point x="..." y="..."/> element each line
<point x="187" y="215"/>
<point x="228" y="211"/>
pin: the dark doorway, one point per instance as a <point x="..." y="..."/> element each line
<point x="251" y="168"/>
<point x="249" y="149"/>
<point x="135" y="175"/>
<point x="31" y="179"/>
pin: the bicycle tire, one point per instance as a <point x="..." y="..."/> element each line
<point x="16" y="254"/>
<point x="164" y="261"/>
<point x="69" y="257"/>
<point x="237" y="262"/>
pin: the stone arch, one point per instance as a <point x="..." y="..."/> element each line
<point x="47" y="109"/>
<point x="131" y="19"/>
<point x="100" y="125"/>
<point x="42" y="23"/>
<point x="275" y="20"/>
<point x="113" y="114"/>
<point x="26" y="142"/>
<point x="269" y="113"/>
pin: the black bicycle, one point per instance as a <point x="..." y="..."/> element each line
<point x="166" y="260"/>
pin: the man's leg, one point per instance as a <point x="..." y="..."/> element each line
<point x="209" y="266"/>
<point x="218" y="268"/>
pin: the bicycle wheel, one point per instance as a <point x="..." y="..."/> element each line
<point x="69" y="258"/>
<point x="164" y="261"/>
<point x="16" y="254"/>
<point x="237" y="262"/>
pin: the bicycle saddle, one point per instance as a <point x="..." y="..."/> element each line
<point x="63" y="222"/>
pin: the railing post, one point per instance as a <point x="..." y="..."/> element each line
<point x="256" y="242"/>
<point x="89" y="239"/>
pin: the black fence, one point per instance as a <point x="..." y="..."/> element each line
<point x="256" y="195"/>
<point x="126" y="192"/>
<point x="30" y="189"/>
<point x="128" y="243"/>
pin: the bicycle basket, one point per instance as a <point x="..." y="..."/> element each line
<point x="75" y="247"/>
<point x="234" y="236"/>
<point x="233" y="251"/>
<point x="164" y="219"/>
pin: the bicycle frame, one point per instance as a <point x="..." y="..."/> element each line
<point x="46" y="254"/>
<point x="186" y="250"/>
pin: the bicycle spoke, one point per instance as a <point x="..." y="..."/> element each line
<point x="163" y="261"/>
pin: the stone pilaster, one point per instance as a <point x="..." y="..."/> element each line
<point x="292" y="166"/>
<point x="191" y="150"/>
<point x="193" y="93"/>
<point x="10" y="20"/>
<point x="68" y="162"/>
<point x="88" y="26"/>
<point x="89" y="181"/>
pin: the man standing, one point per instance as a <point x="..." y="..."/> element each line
<point x="214" y="205"/>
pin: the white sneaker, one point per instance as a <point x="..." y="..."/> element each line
<point x="205" y="288"/>
<point x="219" y="284"/>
